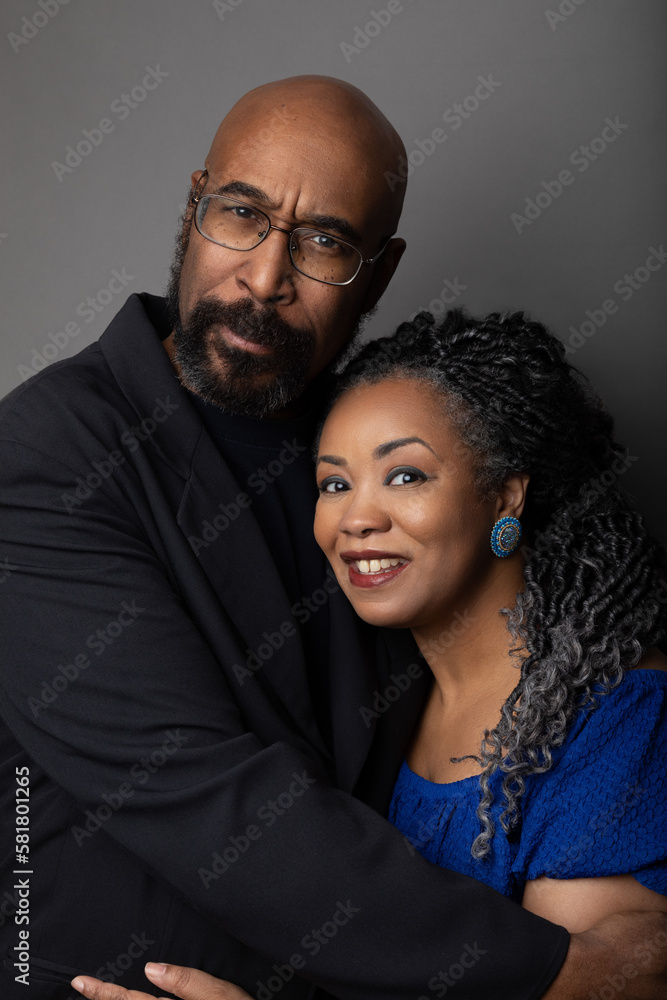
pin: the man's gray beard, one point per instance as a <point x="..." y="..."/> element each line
<point x="236" y="390"/>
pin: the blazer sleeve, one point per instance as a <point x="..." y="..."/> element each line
<point x="107" y="683"/>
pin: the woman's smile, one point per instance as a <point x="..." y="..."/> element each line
<point x="372" y="568"/>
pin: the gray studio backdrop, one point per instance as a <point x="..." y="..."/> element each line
<point x="536" y="141"/>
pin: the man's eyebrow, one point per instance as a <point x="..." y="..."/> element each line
<point x="233" y="188"/>
<point x="335" y="223"/>
<point x="389" y="446"/>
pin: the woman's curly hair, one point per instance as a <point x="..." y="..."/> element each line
<point x="590" y="607"/>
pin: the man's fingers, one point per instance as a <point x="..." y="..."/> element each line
<point x="96" y="990"/>
<point x="189" y="984"/>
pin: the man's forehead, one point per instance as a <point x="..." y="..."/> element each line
<point x="298" y="190"/>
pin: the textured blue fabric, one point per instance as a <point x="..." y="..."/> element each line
<point x="600" y="810"/>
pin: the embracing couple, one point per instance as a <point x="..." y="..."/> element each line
<point x="417" y="690"/>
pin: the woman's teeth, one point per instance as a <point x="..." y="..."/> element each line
<point x="376" y="565"/>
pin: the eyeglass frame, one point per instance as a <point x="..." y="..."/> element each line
<point x="196" y="197"/>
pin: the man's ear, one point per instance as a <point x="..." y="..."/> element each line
<point x="512" y="496"/>
<point x="196" y="177"/>
<point x="383" y="270"/>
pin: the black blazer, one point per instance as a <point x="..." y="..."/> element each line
<point x="179" y="811"/>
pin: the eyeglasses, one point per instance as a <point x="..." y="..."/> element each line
<point x="237" y="226"/>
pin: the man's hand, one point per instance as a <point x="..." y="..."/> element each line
<point x="189" y="984"/>
<point x="624" y="954"/>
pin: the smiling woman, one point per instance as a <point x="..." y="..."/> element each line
<point x="538" y="765"/>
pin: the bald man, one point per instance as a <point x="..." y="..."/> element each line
<point x="194" y="722"/>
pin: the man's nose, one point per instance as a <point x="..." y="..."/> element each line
<point x="364" y="514"/>
<point x="267" y="271"/>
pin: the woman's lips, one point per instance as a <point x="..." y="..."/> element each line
<point x="368" y="580"/>
<point x="365" y="569"/>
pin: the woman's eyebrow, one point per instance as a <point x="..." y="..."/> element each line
<point x="389" y="446"/>
<point x="381" y="451"/>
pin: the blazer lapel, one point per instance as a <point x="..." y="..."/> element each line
<point x="233" y="553"/>
<point x="404" y="682"/>
<point x="353" y="678"/>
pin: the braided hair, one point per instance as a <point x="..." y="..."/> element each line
<point x="589" y="609"/>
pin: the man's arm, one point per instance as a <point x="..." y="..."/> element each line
<point x="596" y="960"/>
<point x="625" y="954"/>
<point x="318" y="880"/>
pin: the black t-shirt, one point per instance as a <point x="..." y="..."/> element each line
<point x="272" y="462"/>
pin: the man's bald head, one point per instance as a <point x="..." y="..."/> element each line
<point x="323" y="111"/>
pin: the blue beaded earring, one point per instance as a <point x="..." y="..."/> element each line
<point x="505" y="536"/>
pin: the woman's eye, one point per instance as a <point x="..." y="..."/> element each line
<point x="332" y="486"/>
<point x="405" y="477"/>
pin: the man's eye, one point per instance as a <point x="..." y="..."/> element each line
<point x="332" y="486"/>
<point x="242" y="212"/>
<point x="405" y="477"/>
<point x="320" y="241"/>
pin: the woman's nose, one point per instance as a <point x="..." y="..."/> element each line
<point x="364" y="514"/>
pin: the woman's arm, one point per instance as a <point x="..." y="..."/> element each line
<point x="578" y="903"/>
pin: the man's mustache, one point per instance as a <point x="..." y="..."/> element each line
<point x="261" y="326"/>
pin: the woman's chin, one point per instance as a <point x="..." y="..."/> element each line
<point x="381" y="616"/>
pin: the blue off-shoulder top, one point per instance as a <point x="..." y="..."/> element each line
<point x="600" y="810"/>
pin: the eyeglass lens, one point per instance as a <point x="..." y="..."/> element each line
<point x="241" y="227"/>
